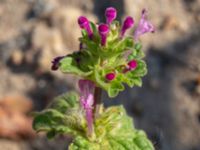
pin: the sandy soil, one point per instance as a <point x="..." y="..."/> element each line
<point x="167" y="107"/>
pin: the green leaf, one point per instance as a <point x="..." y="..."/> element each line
<point x="129" y="42"/>
<point x="140" y="71"/>
<point x="98" y="78"/>
<point x="53" y="122"/>
<point x="94" y="29"/>
<point x="138" y="46"/>
<point x="47" y="119"/>
<point x="136" y="54"/>
<point x="114" y="131"/>
<point x="142" y="142"/>
<point x="137" y="81"/>
<point x="84" y="33"/>
<point x="65" y="101"/>
<point x="68" y="65"/>
<point x="114" y="88"/>
<point x="120" y="46"/>
<point x="51" y="134"/>
<point x="125" y="79"/>
<point x="92" y="47"/>
<point x="62" y="116"/>
<point x="126" y="43"/>
<point x="131" y="57"/>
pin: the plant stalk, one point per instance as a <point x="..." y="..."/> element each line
<point x="97" y="101"/>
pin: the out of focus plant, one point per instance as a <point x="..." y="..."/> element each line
<point x="107" y="59"/>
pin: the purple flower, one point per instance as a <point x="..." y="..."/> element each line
<point x="87" y="100"/>
<point x="128" y="23"/>
<point x="144" y="26"/>
<point x="103" y="31"/>
<point x="111" y="14"/>
<point x="55" y="62"/>
<point x="86" y="89"/>
<point x="85" y="24"/>
<point x="110" y="76"/>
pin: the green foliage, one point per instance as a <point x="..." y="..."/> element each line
<point x="113" y="129"/>
<point x="62" y="116"/>
<point x="94" y="61"/>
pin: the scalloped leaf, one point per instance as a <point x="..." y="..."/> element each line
<point x="53" y="122"/>
<point x="132" y="78"/>
<point x="45" y="120"/>
<point x="68" y="65"/>
<point x="114" y="88"/>
<point x="65" y="101"/>
<point x="63" y="116"/>
<point x="114" y="131"/>
<point x="140" y="71"/>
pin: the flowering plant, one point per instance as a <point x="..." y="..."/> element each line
<point x="107" y="60"/>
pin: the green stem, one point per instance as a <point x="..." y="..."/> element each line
<point x="97" y="101"/>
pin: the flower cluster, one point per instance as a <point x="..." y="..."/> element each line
<point x="108" y="56"/>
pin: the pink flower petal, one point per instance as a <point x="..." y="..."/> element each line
<point x="144" y="26"/>
<point x="87" y="100"/>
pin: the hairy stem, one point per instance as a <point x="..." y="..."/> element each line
<point x="90" y="122"/>
<point x="97" y="101"/>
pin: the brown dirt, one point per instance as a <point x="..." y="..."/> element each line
<point x="167" y="106"/>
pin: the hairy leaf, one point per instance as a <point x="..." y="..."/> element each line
<point x="114" y="131"/>
<point x="63" y="116"/>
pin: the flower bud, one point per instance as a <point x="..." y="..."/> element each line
<point x="110" y="76"/>
<point x="128" y="23"/>
<point x="85" y="24"/>
<point x="132" y="64"/>
<point x="103" y="31"/>
<point x="55" y="62"/>
<point x="111" y="14"/>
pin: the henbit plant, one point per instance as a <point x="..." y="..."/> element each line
<point x="107" y="60"/>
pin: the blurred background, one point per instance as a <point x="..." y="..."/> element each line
<point x="33" y="32"/>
